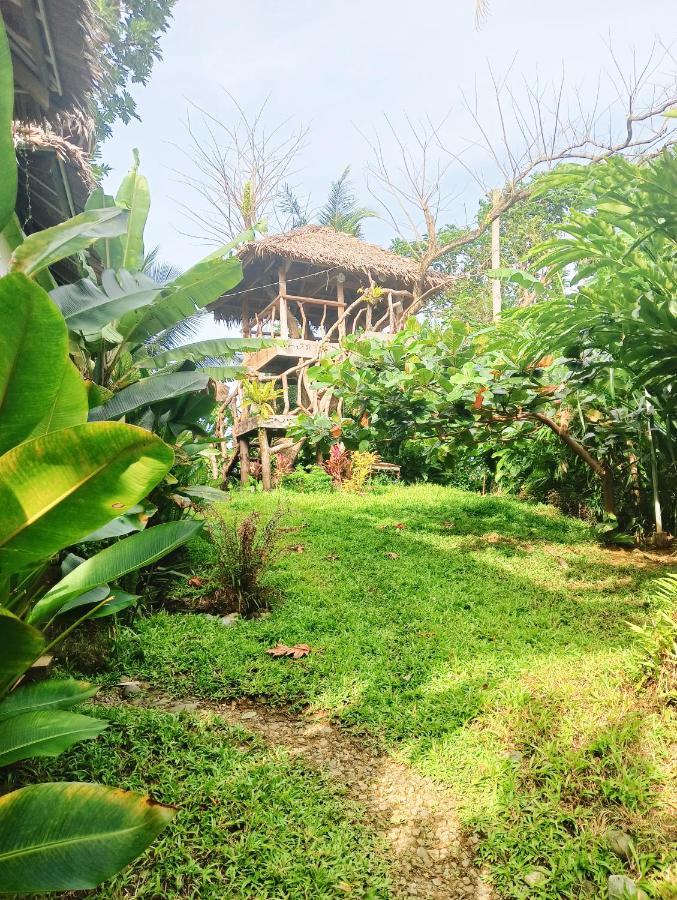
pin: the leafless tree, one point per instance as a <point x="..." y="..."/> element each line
<point x="538" y="127"/>
<point x="237" y="168"/>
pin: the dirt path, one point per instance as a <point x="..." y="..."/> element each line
<point x="417" y="816"/>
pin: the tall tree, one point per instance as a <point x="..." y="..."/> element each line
<point x="132" y="47"/>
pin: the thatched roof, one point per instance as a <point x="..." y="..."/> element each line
<point x="325" y="248"/>
<point x="56" y="50"/>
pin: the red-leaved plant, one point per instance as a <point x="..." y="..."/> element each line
<point x="339" y="465"/>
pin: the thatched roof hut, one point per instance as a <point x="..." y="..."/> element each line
<point x="316" y="262"/>
<point x="56" y="50"/>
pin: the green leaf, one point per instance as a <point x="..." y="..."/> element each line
<point x="68" y="836"/>
<point x="8" y="167"/>
<point x="118" y="601"/>
<point x="58" y="488"/>
<point x="134" y="195"/>
<point x="45" y="695"/>
<point x="44" y="733"/>
<point x="194" y="289"/>
<point x="33" y="359"/>
<point x="70" y="405"/>
<point x="89" y="598"/>
<point x="46" y="247"/>
<point x="148" y="391"/>
<point x="109" y="250"/>
<point x="135" y="519"/>
<point x="20" y="644"/>
<point x="217" y="348"/>
<point x="204" y="492"/>
<point x="127" y="555"/>
<point x="88" y="308"/>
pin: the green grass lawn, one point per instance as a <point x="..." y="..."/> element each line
<point x="486" y="643"/>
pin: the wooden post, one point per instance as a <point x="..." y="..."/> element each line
<point x="246" y="329"/>
<point x="340" y="296"/>
<point x="244" y="460"/>
<point x="496" y="259"/>
<point x="284" y="323"/>
<point x="264" y="456"/>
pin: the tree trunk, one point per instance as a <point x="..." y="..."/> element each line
<point x="244" y="460"/>
<point x="264" y="455"/>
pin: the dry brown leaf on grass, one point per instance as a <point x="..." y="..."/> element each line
<point x="448" y="525"/>
<point x="392" y="555"/>
<point x="195" y="581"/>
<point x="296" y="548"/>
<point x="332" y="557"/>
<point x="296" y="652"/>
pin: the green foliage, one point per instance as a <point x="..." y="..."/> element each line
<point x="341" y="211"/>
<point x="500" y="627"/>
<point x="8" y="182"/>
<point x="312" y="480"/>
<point x="133" y="31"/>
<point x="523" y="227"/>
<point x="275" y="828"/>
<point x="243" y="552"/>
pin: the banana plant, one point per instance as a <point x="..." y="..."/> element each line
<point x="64" y="480"/>
<point x="121" y="321"/>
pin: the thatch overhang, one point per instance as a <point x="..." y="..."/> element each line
<point x="315" y="257"/>
<point x="56" y="48"/>
<point x="55" y="179"/>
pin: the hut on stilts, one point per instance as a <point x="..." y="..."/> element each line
<point x="308" y="289"/>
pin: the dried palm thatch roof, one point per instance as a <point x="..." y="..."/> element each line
<point x="56" y="51"/>
<point x="326" y="248"/>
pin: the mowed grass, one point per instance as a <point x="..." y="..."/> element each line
<point x="251" y="821"/>
<point x="485" y="641"/>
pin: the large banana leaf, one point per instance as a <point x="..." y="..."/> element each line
<point x="88" y="308"/>
<point x="33" y="359"/>
<point x="8" y="171"/>
<point x="20" y="644"/>
<point x="194" y="289"/>
<point x="68" y="836"/>
<point x="117" y="602"/>
<point x="109" y="249"/>
<point x="55" y="693"/>
<point x="58" y="488"/>
<point x="70" y="405"/>
<point x="89" y="598"/>
<point x="217" y="348"/>
<point x="134" y="195"/>
<point x="44" y="733"/>
<point x="46" y="247"/>
<point x="148" y="391"/>
<point x="127" y="555"/>
<point x="134" y="519"/>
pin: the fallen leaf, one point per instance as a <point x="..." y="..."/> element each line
<point x="296" y="548"/>
<point x="295" y="652"/>
<point x="448" y="524"/>
<point x="332" y="557"/>
<point x="195" y="581"/>
<point x="392" y="555"/>
<point x="400" y="525"/>
<point x="279" y="650"/>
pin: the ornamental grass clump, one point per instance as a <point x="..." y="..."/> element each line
<point x="243" y="552"/>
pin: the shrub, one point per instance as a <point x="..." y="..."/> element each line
<point x="361" y="464"/>
<point x="339" y="464"/>
<point x="313" y="480"/>
<point x="243" y="551"/>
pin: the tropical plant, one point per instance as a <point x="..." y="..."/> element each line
<point x="242" y="552"/>
<point x="361" y="464"/>
<point x="261" y="397"/>
<point x="338" y="465"/>
<point x="121" y="320"/>
<point x="62" y="479"/>
<point x="313" y="480"/>
<point x="340" y="210"/>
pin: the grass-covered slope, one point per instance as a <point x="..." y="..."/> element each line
<point x="483" y="640"/>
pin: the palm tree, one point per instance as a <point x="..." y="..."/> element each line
<point x="340" y="211"/>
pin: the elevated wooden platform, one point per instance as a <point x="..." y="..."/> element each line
<point x="243" y="427"/>
<point x="275" y="360"/>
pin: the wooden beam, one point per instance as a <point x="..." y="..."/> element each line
<point x="243" y="444"/>
<point x="264" y="457"/>
<point x="341" y="304"/>
<point x="284" y="324"/>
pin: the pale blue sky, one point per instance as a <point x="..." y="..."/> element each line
<point x="339" y="65"/>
